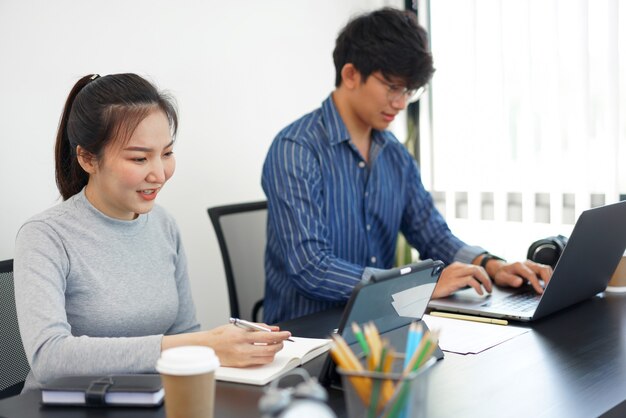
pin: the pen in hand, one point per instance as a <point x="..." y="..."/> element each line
<point x="242" y="323"/>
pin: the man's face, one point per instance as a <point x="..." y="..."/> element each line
<point x="378" y="100"/>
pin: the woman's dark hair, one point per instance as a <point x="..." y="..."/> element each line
<point x="387" y="40"/>
<point x="98" y="111"/>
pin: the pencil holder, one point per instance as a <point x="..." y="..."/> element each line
<point x="386" y="395"/>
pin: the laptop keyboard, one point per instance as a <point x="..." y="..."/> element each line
<point x="522" y="301"/>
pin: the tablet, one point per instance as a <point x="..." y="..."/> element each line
<point x="391" y="299"/>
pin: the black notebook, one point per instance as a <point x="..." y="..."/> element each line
<point x="114" y="390"/>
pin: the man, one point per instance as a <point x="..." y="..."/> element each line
<point x="340" y="187"/>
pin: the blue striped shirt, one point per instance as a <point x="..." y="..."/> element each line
<point x="331" y="214"/>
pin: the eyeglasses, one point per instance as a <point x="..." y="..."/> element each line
<point x="395" y="92"/>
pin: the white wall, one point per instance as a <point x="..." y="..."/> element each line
<point x="240" y="71"/>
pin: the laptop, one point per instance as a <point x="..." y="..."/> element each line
<point x="391" y="299"/>
<point x="584" y="269"/>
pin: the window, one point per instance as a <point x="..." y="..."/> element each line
<point x="525" y="119"/>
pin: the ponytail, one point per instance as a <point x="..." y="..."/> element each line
<point x="70" y="177"/>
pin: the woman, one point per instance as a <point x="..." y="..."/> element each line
<point x="101" y="280"/>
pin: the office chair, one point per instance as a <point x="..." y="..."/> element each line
<point x="240" y="231"/>
<point x="13" y="363"/>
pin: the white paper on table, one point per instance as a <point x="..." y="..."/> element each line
<point x="412" y="302"/>
<point x="468" y="337"/>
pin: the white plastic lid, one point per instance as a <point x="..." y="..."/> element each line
<point x="187" y="360"/>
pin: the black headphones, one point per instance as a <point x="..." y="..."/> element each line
<point x="307" y="399"/>
<point x="547" y="250"/>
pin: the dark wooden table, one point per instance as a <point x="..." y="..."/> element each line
<point x="572" y="364"/>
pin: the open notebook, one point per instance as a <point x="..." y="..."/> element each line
<point x="291" y="356"/>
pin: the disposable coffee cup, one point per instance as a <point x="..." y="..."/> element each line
<point x="618" y="279"/>
<point x="188" y="375"/>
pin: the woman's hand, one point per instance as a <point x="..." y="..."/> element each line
<point x="235" y="347"/>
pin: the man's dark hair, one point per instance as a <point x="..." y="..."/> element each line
<point x="386" y="40"/>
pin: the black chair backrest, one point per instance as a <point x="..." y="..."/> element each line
<point x="13" y="363"/>
<point x="241" y="232"/>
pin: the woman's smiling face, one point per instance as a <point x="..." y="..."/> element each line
<point x="125" y="182"/>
